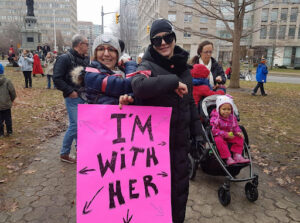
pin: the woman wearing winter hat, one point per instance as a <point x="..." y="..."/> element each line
<point x="102" y="84"/>
<point x="217" y="76"/>
<point x="170" y="85"/>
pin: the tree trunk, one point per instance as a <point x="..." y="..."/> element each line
<point x="238" y="27"/>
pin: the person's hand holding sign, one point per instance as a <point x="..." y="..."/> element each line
<point x="125" y="100"/>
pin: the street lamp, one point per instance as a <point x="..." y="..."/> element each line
<point x="102" y="15"/>
<point x="54" y="30"/>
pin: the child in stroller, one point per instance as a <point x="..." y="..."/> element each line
<point x="225" y="130"/>
<point x="208" y="156"/>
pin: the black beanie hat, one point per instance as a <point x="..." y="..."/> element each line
<point x="160" y="25"/>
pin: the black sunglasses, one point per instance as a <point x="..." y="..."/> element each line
<point x="168" y="38"/>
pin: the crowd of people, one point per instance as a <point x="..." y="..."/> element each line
<point x="163" y="77"/>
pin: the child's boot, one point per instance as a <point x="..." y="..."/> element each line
<point x="240" y="159"/>
<point x="230" y="161"/>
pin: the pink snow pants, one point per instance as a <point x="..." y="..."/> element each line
<point x="236" y="147"/>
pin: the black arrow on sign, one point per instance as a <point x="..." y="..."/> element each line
<point x="162" y="143"/>
<point x="127" y="220"/>
<point x="87" y="204"/>
<point x="85" y="170"/>
<point x="163" y="174"/>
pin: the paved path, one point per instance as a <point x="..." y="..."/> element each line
<point x="45" y="192"/>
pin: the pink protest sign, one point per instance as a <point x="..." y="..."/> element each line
<point x="123" y="164"/>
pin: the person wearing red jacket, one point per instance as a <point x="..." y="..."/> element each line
<point x="37" y="67"/>
<point x="201" y="86"/>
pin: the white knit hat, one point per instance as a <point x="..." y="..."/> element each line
<point x="223" y="99"/>
<point x="108" y="39"/>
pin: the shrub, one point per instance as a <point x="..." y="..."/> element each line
<point x="297" y="68"/>
<point x="282" y="67"/>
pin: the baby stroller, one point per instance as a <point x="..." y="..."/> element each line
<point x="207" y="156"/>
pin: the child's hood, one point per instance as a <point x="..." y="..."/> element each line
<point x="223" y="99"/>
<point x="200" y="70"/>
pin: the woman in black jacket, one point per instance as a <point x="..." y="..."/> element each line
<point x="205" y="50"/>
<point x="170" y="85"/>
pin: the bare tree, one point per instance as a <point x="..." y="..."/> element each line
<point x="232" y="14"/>
<point x="11" y="35"/>
<point x="60" y="41"/>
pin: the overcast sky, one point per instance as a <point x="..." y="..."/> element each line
<point x="90" y="10"/>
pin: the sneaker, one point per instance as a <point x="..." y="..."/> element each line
<point x="264" y="94"/>
<point x="253" y="94"/>
<point x="230" y="161"/>
<point x="66" y="158"/>
<point x="240" y="159"/>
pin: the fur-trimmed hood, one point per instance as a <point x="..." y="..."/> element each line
<point x="77" y="75"/>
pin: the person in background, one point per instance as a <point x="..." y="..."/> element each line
<point x="26" y="62"/>
<point x="200" y="73"/>
<point x="225" y="129"/>
<point x="229" y="71"/>
<point x="261" y="77"/>
<point x="7" y="96"/>
<point x="217" y="76"/>
<point x="49" y="64"/>
<point x="63" y="82"/>
<point x="170" y="85"/>
<point x="140" y="57"/>
<point x="37" y="67"/>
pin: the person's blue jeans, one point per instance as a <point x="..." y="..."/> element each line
<point x="71" y="133"/>
<point x="49" y="78"/>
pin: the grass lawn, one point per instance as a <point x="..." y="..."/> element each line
<point x="272" y="124"/>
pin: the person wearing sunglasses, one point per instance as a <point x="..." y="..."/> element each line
<point x="170" y="85"/>
<point x="217" y="76"/>
<point x="103" y="81"/>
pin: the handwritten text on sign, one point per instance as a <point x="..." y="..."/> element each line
<point x="123" y="167"/>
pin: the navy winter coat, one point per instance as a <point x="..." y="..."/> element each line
<point x="62" y="71"/>
<point x="103" y="86"/>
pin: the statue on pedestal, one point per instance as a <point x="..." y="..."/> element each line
<point x="30" y="10"/>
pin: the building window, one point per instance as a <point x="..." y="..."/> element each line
<point x="272" y="34"/>
<point x="187" y="18"/>
<point x="187" y="34"/>
<point x="263" y="32"/>
<point x="171" y="3"/>
<point x="292" y="31"/>
<point x="299" y="32"/>
<point x="172" y="17"/>
<point x="30" y="39"/>
<point x="203" y="30"/>
<point x="189" y="2"/>
<point x="203" y="19"/>
<point x="293" y="17"/>
<point x="283" y="15"/>
<point x="265" y="15"/>
<point x="281" y="34"/>
<point x="187" y="47"/>
<point x="274" y="14"/>
<point x="287" y="55"/>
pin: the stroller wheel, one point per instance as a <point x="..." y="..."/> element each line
<point x="192" y="167"/>
<point x="224" y="196"/>
<point x="251" y="192"/>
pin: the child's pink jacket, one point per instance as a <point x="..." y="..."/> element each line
<point x="222" y="126"/>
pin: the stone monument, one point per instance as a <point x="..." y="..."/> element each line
<point x="31" y="36"/>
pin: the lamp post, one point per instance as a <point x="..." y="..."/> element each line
<point x="54" y="30"/>
<point x="102" y="18"/>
